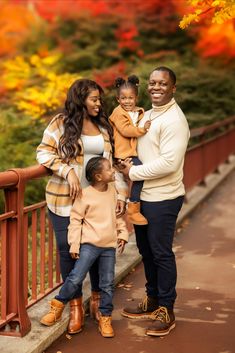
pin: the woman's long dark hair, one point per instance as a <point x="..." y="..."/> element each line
<point x="74" y="113"/>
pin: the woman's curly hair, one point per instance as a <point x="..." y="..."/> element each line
<point x="75" y="111"/>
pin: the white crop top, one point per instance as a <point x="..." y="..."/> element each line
<point x="93" y="146"/>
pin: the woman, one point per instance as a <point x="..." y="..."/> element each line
<point x="81" y="132"/>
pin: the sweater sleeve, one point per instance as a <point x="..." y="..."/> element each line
<point x="173" y="144"/>
<point x="47" y="151"/>
<point x="122" y="231"/>
<point x="75" y="227"/>
<point x="125" y="128"/>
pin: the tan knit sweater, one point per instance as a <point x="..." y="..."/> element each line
<point x="125" y="133"/>
<point x="93" y="220"/>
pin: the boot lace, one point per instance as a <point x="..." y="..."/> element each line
<point x="53" y="311"/>
<point x="106" y="321"/>
<point x="144" y="304"/>
<point x="161" y="314"/>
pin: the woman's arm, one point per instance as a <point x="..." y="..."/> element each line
<point x="48" y="150"/>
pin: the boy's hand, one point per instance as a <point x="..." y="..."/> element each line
<point x="121" y="245"/>
<point x="120" y="208"/>
<point x="74" y="256"/>
<point x="147" y="125"/>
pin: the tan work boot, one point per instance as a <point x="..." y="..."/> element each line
<point x="77" y="314"/>
<point x="105" y="326"/>
<point x="94" y="305"/>
<point x="54" y="314"/>
<point x="134" y="215"/>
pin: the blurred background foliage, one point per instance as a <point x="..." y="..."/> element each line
<point x="46" y="44"/>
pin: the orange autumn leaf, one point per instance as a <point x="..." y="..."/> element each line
<point x="15" y="21"/>
<point x="217" y="40"/>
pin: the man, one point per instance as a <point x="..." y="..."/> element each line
<point x="161" y="151"/>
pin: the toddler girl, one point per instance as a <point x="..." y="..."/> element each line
<point x="125" y="119"/>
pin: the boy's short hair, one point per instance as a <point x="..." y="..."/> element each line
<point x="94" y="166"/>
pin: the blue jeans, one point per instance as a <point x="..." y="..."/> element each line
<point x="136" y="185"/>
<point x="88" y="255"/>
<point x="60" y="226"/>
<point x="154" y="242"/>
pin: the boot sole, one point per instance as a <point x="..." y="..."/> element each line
<point x="74" y="332"/>
<point x="136" y="316"/>
<point x="160" y="333"/>
<point x="139" y="223"/>
<point x="49" y="324"/>
<point x="105" y="336"/>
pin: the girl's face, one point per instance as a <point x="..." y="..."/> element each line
<point x="127" y="99"/>
<point x="93" y="102"/>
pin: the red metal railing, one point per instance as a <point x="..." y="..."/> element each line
<point x="29" y="264"/>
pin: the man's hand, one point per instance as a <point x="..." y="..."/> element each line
<point x="125" y="167"/>
<point x="120" y="208"/>
<point x="74" y="256"/>
<point x="74" y="183"/>
<point x="121" y="245"/>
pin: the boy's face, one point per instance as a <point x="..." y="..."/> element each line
<point x="107" y="174"/>
<point x="127" y="99"/>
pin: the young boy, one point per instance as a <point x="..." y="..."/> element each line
<point x="94" y="232"/>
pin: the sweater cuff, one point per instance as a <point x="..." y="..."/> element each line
<point x="74" y="248"/>
<point x="65" y="171"/>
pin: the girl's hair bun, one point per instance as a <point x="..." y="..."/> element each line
<point x="133" y="79"/>
<point x="119" y="82"/>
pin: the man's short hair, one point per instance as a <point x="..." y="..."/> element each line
<point x="170" y="72"/>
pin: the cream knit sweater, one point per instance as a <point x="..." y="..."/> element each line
<point x="93" y="220"/>
<point x="162" y="152"/>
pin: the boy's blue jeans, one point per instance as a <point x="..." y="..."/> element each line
<point x="88" y="255"/>
<point x="136" y="185"/>
<point x="60" y="226"/>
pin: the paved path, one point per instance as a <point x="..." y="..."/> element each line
<point x="205" y="307"/>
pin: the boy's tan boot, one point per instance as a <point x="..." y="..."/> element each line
<point x="105" y="326"/>
<point x="76" y="320"/>
<point x="134" y="215"/>
<point x="54" y="314"/>
<point x="94" y="305"/>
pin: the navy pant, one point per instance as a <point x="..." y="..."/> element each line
<point x="154" y="242"/>
<point x="137" y="186"/>
<point x="60" y="226"/>
<point x="87" y="256"/>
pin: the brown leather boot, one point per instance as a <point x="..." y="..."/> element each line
<point x="77" y="315"/>
<point x="54" y="314"/>
<point x="134" y="215"/>
<point x="94" y="305"/>
<point x="143" y="310"/>
<point x="164" y="322"/>
<point x="105" y="326"/>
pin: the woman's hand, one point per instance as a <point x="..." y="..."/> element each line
<point x="74" y="183"/>
<point x="121" y="245"/>
<point x="120" y="208"/>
